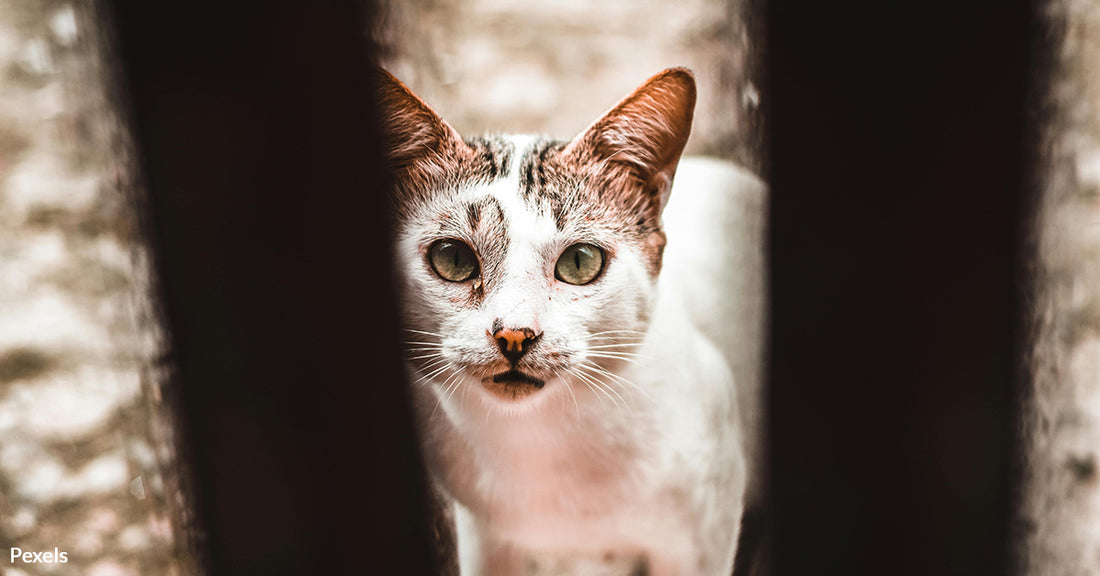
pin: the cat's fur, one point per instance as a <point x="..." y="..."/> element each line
<point x="632" y="456"/>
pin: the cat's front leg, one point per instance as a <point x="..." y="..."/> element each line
<point x="480" y="553"/>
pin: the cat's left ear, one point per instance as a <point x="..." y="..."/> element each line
<point x="645" y="133"/>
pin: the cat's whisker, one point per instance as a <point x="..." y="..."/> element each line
<point x="424" y="343"/>
<point x="584" y="381"/>
<point x="616" y="339"/>
<point x="607" y="385"/>
<point x="428" y="377"/>
<point x="569" y="388"/>
<point x="622" y="380"/>
<point x="426" y="356"/>
<point x="425" y="351"/>
<point x="436" y="359"/>
<point x="620" y="402"/>
<point x="423" y="332"/>
<point x="604" y="355"/>
<point x="446" y="386"/>
<point x="450" y="389"/>
<point x="618" y="331"/>
<point x="618" y="353"/>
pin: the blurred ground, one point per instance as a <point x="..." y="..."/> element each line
<point x="84" y="467"/>
<point x="554" y="67"/>
<point x="1061" y="504"/>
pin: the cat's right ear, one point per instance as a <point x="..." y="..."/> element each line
<point x="414" y="135"/>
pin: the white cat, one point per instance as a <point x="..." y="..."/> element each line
<point x="572" y="376"/>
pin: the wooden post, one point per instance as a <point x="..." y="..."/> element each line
<point x="899" y="176"/>
<point x="258" y="142"/>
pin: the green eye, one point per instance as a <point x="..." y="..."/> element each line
<point x="579" y="264"/>
<point x="452" y="260"/>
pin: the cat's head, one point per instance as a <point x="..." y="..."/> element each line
<point x="529" y="265"/>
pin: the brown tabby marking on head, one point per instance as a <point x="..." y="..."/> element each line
<point x="619" y="171"/>
<point x="613" y="177"/>
<point x="425" y="154"/>
<point x="481" y="223"/>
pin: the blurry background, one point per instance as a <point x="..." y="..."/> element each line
<point x="554" y="67"/>
<point x="87" y="462"/>
<point x="1060" y="509"/>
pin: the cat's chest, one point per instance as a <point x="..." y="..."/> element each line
<point x="563" y="471"/>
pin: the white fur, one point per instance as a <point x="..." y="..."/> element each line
<point x="649" y="463"/>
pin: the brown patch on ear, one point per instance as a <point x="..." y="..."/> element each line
<point x="654" y="252"/>
<point x="418" y="142"/>
<point x="638" y="143"/>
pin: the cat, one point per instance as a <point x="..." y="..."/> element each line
<point x="570" y="337"/>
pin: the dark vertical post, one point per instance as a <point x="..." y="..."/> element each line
<point x="898" y="175"/>
<point x="260" y="152"/>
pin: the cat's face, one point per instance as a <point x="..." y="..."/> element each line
<point x="528" y="265"/>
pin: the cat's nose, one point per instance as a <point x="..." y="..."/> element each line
<point x="515" y="342"/>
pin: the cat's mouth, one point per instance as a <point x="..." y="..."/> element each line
<point x="513" y="384"/>
<point x="516" y="377"/>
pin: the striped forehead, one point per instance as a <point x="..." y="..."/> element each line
<point x="498" y="201"/>
<point x="525" y="223"/>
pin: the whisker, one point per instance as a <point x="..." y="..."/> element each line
<point x="432" y="374"/>
<point x="452" y="388"/>
<point x="569" y="388"/>
<point x="423" y="332"/>
<point x="624" y="331"/>
<point x="446" y="387"/>
<point x="433" y="364"/>
<point x="616" y="354"/>
<point x="424" y="357"/>
<point x="602" y="386"/>
<point x="587" y="383"/>
<point x="633" y="361"/>
<point x="622" y="380"/>
<point x="607" y="385"/>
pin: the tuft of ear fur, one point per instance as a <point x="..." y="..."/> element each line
<point x="413" y="132"/>
<point x="645" y="133"/>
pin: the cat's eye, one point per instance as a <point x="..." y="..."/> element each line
<point x="579" y="264"/>
<point x="453" y="260"/>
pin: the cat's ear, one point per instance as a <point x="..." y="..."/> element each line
<point x="646" y="132"/>
<point x="412" y="131"/>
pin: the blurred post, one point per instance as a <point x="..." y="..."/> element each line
<point x="900" y="167"/>
<point x="266" y="196"/>
<point x="1060" y="516"/>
